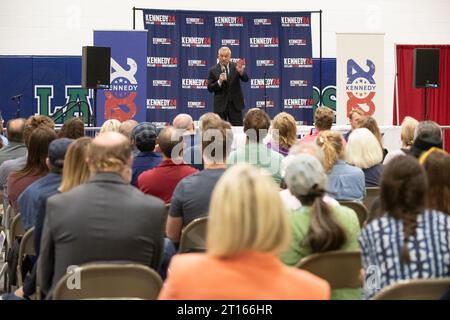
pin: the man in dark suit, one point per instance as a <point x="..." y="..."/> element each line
<point x="105" y="219"/>
<point x="224" y="80"/>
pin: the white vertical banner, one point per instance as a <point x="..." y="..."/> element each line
<point x="359" y="75"/>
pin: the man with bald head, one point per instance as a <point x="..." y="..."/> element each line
<point x="105" y="219"/>
<point x="162" y="179"/>
<point x="224" y="80"/>
<point x="191" y="148"/>
<point x="16" y="147"/>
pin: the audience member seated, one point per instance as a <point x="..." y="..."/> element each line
<point x="192" y="153"/>
<point x="284" y="133"/>
<point x="162" y="179"/>
<point x="15" y="147"/>
<point x="290" y="201"/>
<point x="256" y="126"/>
<point x="106" y="219"/>
<point x="323" y="120"/>
<point x="316" y="226"/>
<point x="32" y="203"/>
<point x="345" y="182"/>
<point x="353" y="116"/>
<point x="126" y="127"/>
<point x="192" y="195"/>
<point x="72" y="129"/>
<point x="427" y="135"/>
<point x="36" y="194"/>
<point x="16" y="164"/>
<point x="408" y="241"/>
<point x="35" y="168"/>
<point x="364" y="151"/>
<point x="143" y="138"/>
<point x="110" y="125"/>
<point x="436" y="163"/>
<point x="244" y="236"/>
<point x="409" y="125"/>
<point x="371" y="124"/>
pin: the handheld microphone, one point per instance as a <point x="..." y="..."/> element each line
<point x="17" y="97"/>
<point x="222" y="68"/>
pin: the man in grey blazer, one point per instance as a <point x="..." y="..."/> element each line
<point x="105" y="219"/>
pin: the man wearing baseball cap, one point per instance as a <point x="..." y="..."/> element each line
<point x="143" y="137"/>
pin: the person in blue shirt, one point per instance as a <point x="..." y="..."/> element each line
<point x="143" y="137"/>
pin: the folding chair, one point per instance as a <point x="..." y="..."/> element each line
<point x="372" y="193"/>
<point x="109" y="281"/>
<point x="417" y="289"/>
<point x="359" y="208"/>
<point x="342" y="269"/>
<point x="26" y="249"/>
<point x="193" y="236"/>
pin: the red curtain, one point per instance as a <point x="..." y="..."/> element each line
<point x="411" y="100"/>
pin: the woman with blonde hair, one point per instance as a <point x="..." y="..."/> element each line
<point x="284" y="133"/>
<point x="244" y="238"/>
<point x="409" y="126"/>
<point x="75" y="171"/>
<point x="371" y="124"/>
<point x="110" y="125"/>
<point x="364" y="151"/>
<point x="345" y="182"/>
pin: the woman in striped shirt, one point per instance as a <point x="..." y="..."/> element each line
<point x="408" y="241"/>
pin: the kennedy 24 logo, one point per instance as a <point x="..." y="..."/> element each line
<point x="44" y="95"/>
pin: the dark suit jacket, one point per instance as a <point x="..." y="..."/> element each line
<point x="230" y="89"/>
<point x="106" y="219"/>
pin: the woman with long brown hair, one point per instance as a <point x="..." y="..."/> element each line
<point x="408" y="241"/>
<point x="35" y="167"/>
<point x="316" y="226"/>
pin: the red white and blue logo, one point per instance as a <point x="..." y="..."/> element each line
<point x="194" y="83"/>
<point x="229" y="21"/>
<point x="194" y="42"/>
<point x="119" y="103"/>
<point x="360" y="87"/>
<point x="265" y="42"/>
<point x="295" y="21"/>
<point x="298" y="103"/>
<point x="271" y="83"/>
<point x="162" y="62"/>
<point x="161" y="103"/>
<point x="196" y="104"/>
<point x="160" y="19"/>
<point x="298" y="62"/>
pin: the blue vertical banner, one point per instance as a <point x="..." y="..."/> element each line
<point x="275" y="48"/>
<point x="126" y="97"/>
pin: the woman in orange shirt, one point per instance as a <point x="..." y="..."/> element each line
<point x="247" y="229"/>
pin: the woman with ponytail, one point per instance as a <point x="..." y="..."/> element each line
<point x="345" y="182"/>
<point x="316" y="226"/>
<point x="408" y="241"/>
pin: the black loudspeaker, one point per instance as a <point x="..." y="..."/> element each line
<point x="96" y="67"/>
<point x="426" y="68"/>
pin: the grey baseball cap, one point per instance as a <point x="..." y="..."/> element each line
<point x="304" y="173"/>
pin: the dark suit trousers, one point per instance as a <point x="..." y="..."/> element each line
<point x="231" y="114"/>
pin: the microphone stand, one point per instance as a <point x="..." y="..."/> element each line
<point x="18" y="107"/>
